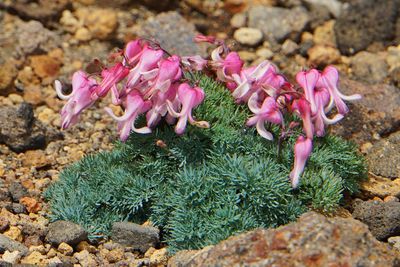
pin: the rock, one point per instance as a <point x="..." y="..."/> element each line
<point x="384" y="158"/>
<point x="248" y="36"/>
<point x="289" y="47"/>
<point x="65" y="249"/>
<point x="40" y="39"/>
<point x="379" y="186"/>
<point x="7" y="243"/>
<point x="115" y="255"/>
<point x="14" y="233"/>
<point x="8" y="73"/>
<point x="31" y="204"/>
<point x="394" y="241"/>
<point x="264" y="53"/>
<point x="11" y="257"/>
<point x="85" y="259"/>
<point x="159" y="257"/>
<point x="35" y="258"/>
<point x="67" y="232"/>
<point x="313" y="240"/>
<point x="333" y="6"/>
<point x="16" y="208"/>
<point x="325" y="34"/>
<point x="238" y="20"/>
<point x="369" y="67"/>
<point x="101" y="23"/>
<point x="322" y="55"/>
<point x="45" y="66"/>
<point x="173" y="33"/>
<point x="364" y="22"/>
<point x="382" y="218"/>
<point x="36" y="158"/>
<point x="134" y="235"/>
<point x="42" y="10"/>
<point x="4" y="223"/>
<point x="277" y="23"/>
<point x="20" y="130"/>
<point x="84" y="245"/>
<point x="376" y="114"/>
<point x="17" y="191"/>
<point x="393" y="57"/>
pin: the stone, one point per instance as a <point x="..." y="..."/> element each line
<point x="14" y="233"/>
<point x="313" y="240"/>
<point x="264" y="53"/>
<point x="393" y="57"/>
<point x="65" y="249"/>
<point x="364" y="22"/>
<point x="333" y="6"/>
<point x="35" y="258"/>
<point x="41" y="40"/>
<point x="134" y="235"/>
<point x="289" y="47"/>
<point x="20" y="130"/>
<point x="8" y="73"/>
<point x="384" y="158"/>
<point x="173" y="32"/>
<point x="394" y="241"/>
<point x="31" y="204"/>
<point x="379" y="186"/>
<point x="11" y="257"/>
<point x="248" y="36"/>
<point x="83" y="34"/>
<point x="382" y="218"/>
<point x="35" y="158"/>
<point x="376" y="114"/>
<point x="369" y="67"/>
<point x="84" y="245"/>
<point x="4" y="223"/>
<point x="17" y="191"/>
<point x="16" y="208"/>
<point x="238" y="20"/>
<point x="85" y="259"/>
<point x="101" y="23"/>
<point x="115" y="255"/>
<point x="325" y="34"/>
<point x="45" y="66"/>
<point x="65" y="231"/>
<point x="159" y="257"/>
<point x="278" y="23"/>
<point x="322" y="55"/>
<point x="7" y="243"/>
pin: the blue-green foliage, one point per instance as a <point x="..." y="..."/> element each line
<point x="206" y="185"/>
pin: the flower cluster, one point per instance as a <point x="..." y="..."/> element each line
<point x="145" y="79"/>
<point x="269" y="95"/>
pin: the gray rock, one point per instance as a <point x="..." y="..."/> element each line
<point x="289" y="47"/>
<point x="248" y="36"/>
<point x="17" y="191"/>
<point x="7" y="243"/>
<point x="65" y="231"/>
<point x="363" y="22"/>
<point x="313" y="240"/>
<point x="173" y="32"/>
<point x="16" y="208"/>
<point x="277" y="23"/>
<point x="333" y="6"/>
<point x="134" y="235"/>
<point x="384" y="158"/>
<point x="369" y="67"/>
<point x="238" y="20"/>
<point x="382" y="218"/>
<point x="20" y="131"/>
<point x="40" y="39"/>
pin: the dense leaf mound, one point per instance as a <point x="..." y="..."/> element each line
<point x="206" y="185"/>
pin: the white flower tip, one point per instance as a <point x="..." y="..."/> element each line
<point x="60" y="94"/>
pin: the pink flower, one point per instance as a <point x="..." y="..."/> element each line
<point x="159" y="107"/>
<point x="190" y="98"/>
<point x="308" y="80"/>
<point x="134" y="106"/>
<point x="302" y="107"/>
<point x="133" y="50"/>
<point x="168" y="72"/>
<point x="205" y="39"/>
<point x="111" y="77"/>
<point x="80" y="98"/>
<point x="302" y="151"/>
<point x="195" y="62"/>
<point x="329" y="79"/>
<point x="269" y="112"/>
<point x="226" y="67"/>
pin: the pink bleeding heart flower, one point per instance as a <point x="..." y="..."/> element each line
<point x="159" y="107"/>
<point x="302" y="151"/>
<point x="169" y="71"/>
<point x="200" y="38"/>
<point x="146" y="68"/>
<point x="329" y="79"/>
<point x="194" y="62"/>
<point x="80" y="98"/>
<point x="307" y="80"/>
<point x="269" y="112"/>
<point x="190" y="98"/>
<point x="320" y="119"/>
<point x="226" y="67"/>
<point x="302" y="107"/>
<point x="111" y="77"/>
<point x="249" y="80"/>
<point x="134" y="106"/>
<point x="133" y="50"/>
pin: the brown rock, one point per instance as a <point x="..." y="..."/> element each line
<point x="65" y="249"/>
<point x="159" y="257"/>
<point x="322" y="55"/>
<point x="31" y="204"/>
<point x="33" y="95"/>
<point x="14" y="233"/>
<point x="4" y="223"/>
<point x="101" y="23"/>
<point x="35" y="258"/>
<point x="381" y="187"/>
<point x="8" y="73"/>
<point x="45" y="66"/>
<point x="325" y="34"/>
<point x="313" y="240"/>
<point x="35" y="158"/>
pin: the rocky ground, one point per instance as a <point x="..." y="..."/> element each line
<point x="44" y="40"/>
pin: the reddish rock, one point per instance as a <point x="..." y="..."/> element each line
<point x="45" y="66"/>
